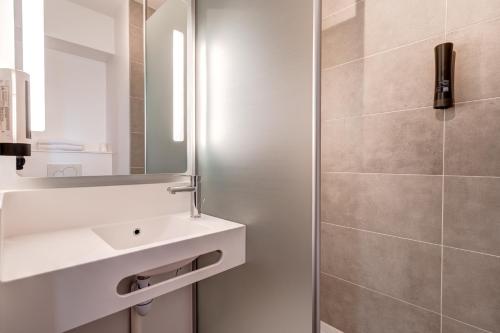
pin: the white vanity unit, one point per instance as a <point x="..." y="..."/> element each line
<point x="63" y="252"/>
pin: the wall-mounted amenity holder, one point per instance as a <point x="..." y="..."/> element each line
<point x="443" y="95"/>
<point x="15" y="132"/>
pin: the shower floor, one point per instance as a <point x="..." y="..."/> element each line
<point x="325" y="328"/>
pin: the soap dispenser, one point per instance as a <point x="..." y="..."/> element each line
<point x="443" y="94"/>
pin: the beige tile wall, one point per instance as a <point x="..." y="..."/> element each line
<point x="137" y="130"/>
<point x="410" y="195"/>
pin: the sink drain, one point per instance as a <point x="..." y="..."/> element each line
<point x="137" y="231"/>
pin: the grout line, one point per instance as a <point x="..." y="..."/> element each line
<point x="465" y="176"/>
<point x="481" y="100"/>
<point x="488" y="20"/>
<point x="414" y="240"/>
<point x="445" y="23"/>
<point x="382" y="234"/>
<point x="443" y="186"/>
<point x="442" y="216"/>
<point x="135" y="25"/>
<point x="405" y="174"/>
<point x="381" y="113"/>
<point x="381" y="293"/>
<point x="380" y="173"/>
<point x="478" y="100"/>
<point x="464" y="323"/>
<point x="383" y="52"/>
<point x="134" y="62"/>
<point x="472" y="251"/>
<point x="341" y="10"/>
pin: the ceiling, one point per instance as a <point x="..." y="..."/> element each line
<point x="108" y="7"/>
<point x="155" y="4"/>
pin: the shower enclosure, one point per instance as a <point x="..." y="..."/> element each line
<point x="410" y="211"/>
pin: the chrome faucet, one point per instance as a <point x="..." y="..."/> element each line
<point x="194" y="188"/>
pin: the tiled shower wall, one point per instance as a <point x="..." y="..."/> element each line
<point x="411" y="195"/>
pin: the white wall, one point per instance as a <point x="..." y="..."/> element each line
<point x="75" y="110"/>
<point x="73" y="23"/>
<point x="91" y="163"/>
<point x="118" y="115"/>
<point x="75" y="89"/>
<point x="86" y="86"/>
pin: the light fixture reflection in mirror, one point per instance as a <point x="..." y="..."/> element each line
<point x="203" y="88"/>
<point x="34" y="59"/>
<point x="178" y="85"/>
<point x="7" y="59"/>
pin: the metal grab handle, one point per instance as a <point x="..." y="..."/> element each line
<point x="178" y="189"/>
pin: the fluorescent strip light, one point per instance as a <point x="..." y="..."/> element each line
<point x="203" y="94"/>
<point x="7" y="44"/>
<point x="34" y="59"/>
<point x="178" y="85"/>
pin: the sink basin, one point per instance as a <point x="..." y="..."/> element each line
<point x="138" y="233"/>
<point x="64" y="252"/>
<point x="69" y="262"/>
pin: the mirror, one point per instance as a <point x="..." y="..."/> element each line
<point x="166" y="70"/>
<point x="110" y="90"/>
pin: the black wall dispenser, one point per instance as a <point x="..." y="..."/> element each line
<point x="443" y="95"/>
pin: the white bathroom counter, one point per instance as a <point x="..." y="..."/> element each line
<point x="64" y="252"/>
<point x="34" y="254"/>
<point x="77" y="271"/>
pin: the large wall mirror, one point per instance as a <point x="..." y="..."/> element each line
<point x="111" y="86"/>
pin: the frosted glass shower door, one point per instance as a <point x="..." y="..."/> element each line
<point x="256" y="127"/>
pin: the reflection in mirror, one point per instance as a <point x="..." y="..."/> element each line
<point x="89" y="94"/>
<point x="166" y="31"/>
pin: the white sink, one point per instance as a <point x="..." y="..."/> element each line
<point x="138" y="233"/>
<point x="69" y="275"/>
<point x="27" y="256"/>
